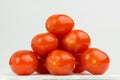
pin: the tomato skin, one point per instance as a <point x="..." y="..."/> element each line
<point x="59" y="24"/>
<point x="60" y="43"/>
<point x="60" y="62"/>
<point x="76" y="41"/>
<point x="44" y="43"/>
<point x="95" y="61"/>
<point x="41" y="66"/>
<point x="79" y="68"/>
<point x="23" y="62"/>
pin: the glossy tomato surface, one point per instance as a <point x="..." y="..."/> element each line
<point x="60" y="62"/>
<point x="76" y="41"/>
<point x="44" y="43"/>
<point x="59" y="24"/>
<point x="41" y="69"/>
<point x="79" y="68"/>
<point x="95" y="61"/>
<point x="23" y="62"/>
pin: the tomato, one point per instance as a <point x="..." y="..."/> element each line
<point x="23" y="62"/>
<point x="60" y="43"/>
<point x="59" y="24"/>
<point x="44" y="43"/>
<point x="76" y="41"/>
<point x="41" y="66"/>
<point x="79" y="67"/>
<point x="95" y="61"/>
<point x="60" y="62"/>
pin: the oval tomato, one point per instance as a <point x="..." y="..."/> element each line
<point x="44" y="43"/>
<point x="79" y="68"/>
<point x="60" y="62"/>
<point x="59" y="24"/>
<point x="23" y="62"/>
<point x="76" y="41"/>
<point x="95" y="61"/>
<point x="41" y="66"/>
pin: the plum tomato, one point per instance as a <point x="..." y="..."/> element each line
<point x="95" y="61"/>
<point x="60" y="43"/>
<point x="23" y="62"/>
<point x="79" y="67"/>
<point x="60" y="62"/>
<point x="41" y="66"/>
<point x="76" y="41"/>
<point x="44" y="43"/>
<point x="59" y="24"/>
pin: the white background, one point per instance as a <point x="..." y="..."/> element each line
<point x="20" y="20"/>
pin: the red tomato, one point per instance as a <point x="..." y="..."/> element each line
<point x="23" y="62"/>
<point x="44" y="43"/>
<point x="41" y="66"/>
<point x="79" y="67"/>
<point x="76" y="41"/>
<point x="95" y="61"/>
<point x="60" y="62"/>
<point x="59" y="24"/>
<point x="60" y="43"/>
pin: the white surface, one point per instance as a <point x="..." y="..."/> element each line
<point x="7" y="74"/>
<point x="20" y="20"/>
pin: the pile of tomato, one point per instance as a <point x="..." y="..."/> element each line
<point x="60" y="51"/>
